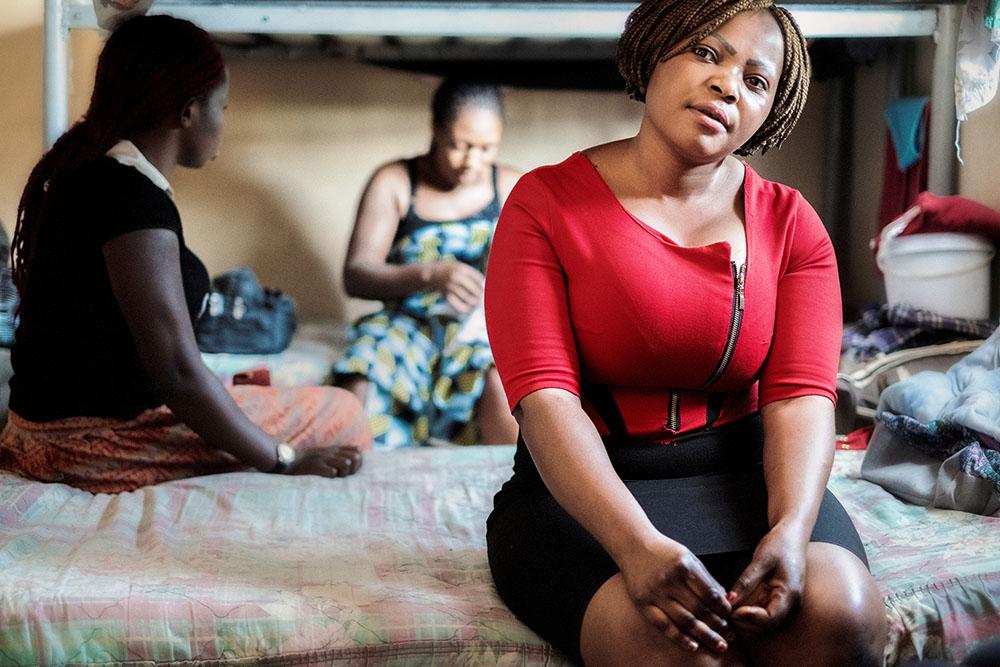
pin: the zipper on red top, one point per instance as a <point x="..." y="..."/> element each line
<point x="735" y="320"/>
<point x="673" y="422"/>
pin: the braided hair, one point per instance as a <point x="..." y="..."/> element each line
<point x="660" y="29"/>
<point x="149" y="69"/>
<point x="455" y="94"/>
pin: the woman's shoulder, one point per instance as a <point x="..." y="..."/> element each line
<point x="778" y="201"/>
<point x="391" y="182"/>
<point x="393" y="174"/>
<point x="611" y="151"/>
<point x="559" y="176"/>
<point x="774" y="195"/>
<point x="507" y="178"/>
<point x="105" y="175"/>
<point x="559" y="195"/>
<point x="790" y="219"/>
<point x="118" y="198"/>
<point x="103" y="190"/>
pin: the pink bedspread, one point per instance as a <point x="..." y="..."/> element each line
<point x="387" y="568"/>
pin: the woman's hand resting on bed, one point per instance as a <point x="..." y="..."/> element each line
<point x="771" y="585"/>
<point x="673" y="591"/>
<point x="334" y="461"/>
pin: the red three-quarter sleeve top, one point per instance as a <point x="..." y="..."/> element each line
<point x="655" y="338"/>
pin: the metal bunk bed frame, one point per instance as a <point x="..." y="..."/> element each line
<point x="518" y="19"/>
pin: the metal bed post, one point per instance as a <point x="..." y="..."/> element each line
<point x="942" y="173"/>
<point x="527" y="19"/>
<point x="55" y="73"/>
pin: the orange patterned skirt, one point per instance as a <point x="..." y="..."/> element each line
<point x="112" y="455"/>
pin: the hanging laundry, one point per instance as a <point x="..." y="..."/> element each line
<point x="977" y="68"/>
<point x="905" y="172"/>
<point x="904" y="118"/>
<point x="977" y="62"/>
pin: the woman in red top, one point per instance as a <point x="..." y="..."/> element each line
<point x="666" y="324"/>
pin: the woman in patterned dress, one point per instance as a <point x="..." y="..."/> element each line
<point x="422" y="364"/>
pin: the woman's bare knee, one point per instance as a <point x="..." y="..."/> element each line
<point x="615" y="633"/>
<point x="841" y="620"/>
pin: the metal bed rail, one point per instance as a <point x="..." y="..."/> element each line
<point x="512" y="19"/>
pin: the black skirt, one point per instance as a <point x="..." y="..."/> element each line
<point x="706" y="491"/>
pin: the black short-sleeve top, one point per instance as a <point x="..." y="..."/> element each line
<point x="73" y="353"/>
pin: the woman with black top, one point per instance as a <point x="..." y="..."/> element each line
<point x="109" y="390"/>
<point x="422" y="365"/>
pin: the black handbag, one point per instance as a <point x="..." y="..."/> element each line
<point x="241" y="317"/>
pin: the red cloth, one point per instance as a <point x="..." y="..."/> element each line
<point x="900" y="188"/>
<point x="954" y="214"/>
<point x="579" y="291"/>
<point x="856" y="439"/>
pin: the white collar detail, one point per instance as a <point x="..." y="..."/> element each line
<point x="128" y="154"/>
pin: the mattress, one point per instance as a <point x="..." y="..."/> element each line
<point x="387" y="567"/>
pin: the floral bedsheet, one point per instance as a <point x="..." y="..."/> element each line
<point x="384" y="568"/>
<point x="939" y="569"/>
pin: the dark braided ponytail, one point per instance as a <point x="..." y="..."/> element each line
<point x="660" y="29"/>
<point x="149" y="69"/>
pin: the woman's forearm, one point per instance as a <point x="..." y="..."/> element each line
<point x="144" y="271"/>
<point x="798" y="455"/>
<point x="198" y="399"/>
<point x="573" y="463"/>
<point x="380" y="280"/>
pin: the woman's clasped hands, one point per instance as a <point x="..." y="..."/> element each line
<point x="771" y="585"/>
<point x="675" y="592"/>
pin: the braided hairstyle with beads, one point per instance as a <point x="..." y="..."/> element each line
<point x="150" y="68"/>
<point x="660" y="29"/>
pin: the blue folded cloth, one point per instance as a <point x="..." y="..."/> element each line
<point x="904" y="117"/>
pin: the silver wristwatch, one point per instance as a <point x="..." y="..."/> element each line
<point x="285" y="454"/>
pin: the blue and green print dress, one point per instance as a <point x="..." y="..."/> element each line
<point x="422" y="384"/>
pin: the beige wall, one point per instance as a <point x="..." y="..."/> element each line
<point x="303" y="135"/>
<point x="302" y="138"/>
<point x="979" y="177"/>
<point x="21" y="99"/>
<point x="863" y="285"/>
